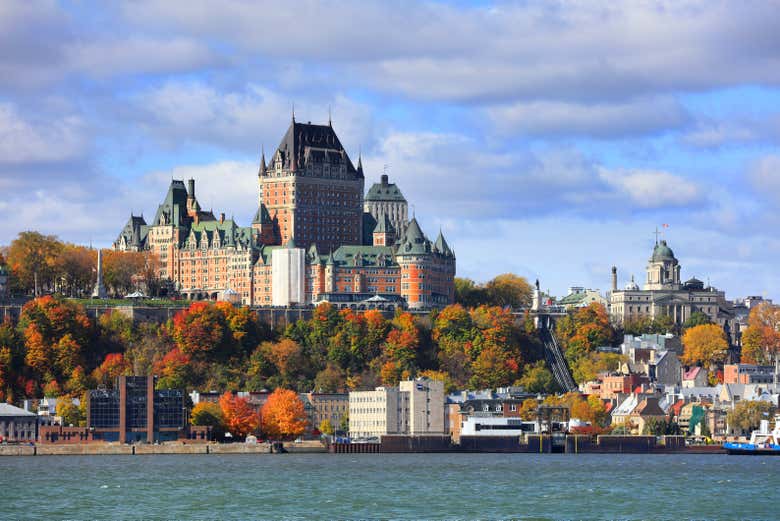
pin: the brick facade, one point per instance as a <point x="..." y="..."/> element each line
<point x="310" y="197"/>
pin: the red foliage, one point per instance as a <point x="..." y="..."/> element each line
<point x="241" y="419"/>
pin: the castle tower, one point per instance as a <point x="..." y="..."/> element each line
<point x="313" y="188"/>
<point x="385" y="198"/>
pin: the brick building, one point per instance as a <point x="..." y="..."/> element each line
<point x="313" y="237"/>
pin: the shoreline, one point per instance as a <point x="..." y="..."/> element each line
<point x="100" y="449"/>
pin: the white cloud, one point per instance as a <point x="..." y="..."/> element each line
<point x="653" y="189"/>
<point x="601" y="120"/>
<point x="23" y="141"/>
<point x="764" y="176"/>
<point x="138" y="55"/>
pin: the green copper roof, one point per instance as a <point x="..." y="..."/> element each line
<point x="384" y="191"/>
<point x="662" y="252"/>
<point x="414" y="241"/>
<point x="364" y="256"/>
<point x="384" y="225"/>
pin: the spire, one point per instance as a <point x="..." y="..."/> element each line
<point x="441" y="244"/>
<point x="360" y="162"/>
<point x="331" y="261"/>
<point x="261" y="172"/>
<point x="293" y="112"/>
<point x="330" y="122"/>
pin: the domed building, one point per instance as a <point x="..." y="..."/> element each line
<point x="663" y="294"/>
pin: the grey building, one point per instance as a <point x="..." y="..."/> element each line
<point x="17" y="425"/>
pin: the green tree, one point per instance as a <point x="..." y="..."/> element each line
<point x="209" y="414"/>
<point x="747" y="415"/>
<point x="538" y="379"/>
<point x="697" y="318"/>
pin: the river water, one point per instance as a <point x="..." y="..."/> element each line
<point x="390" y="486"/>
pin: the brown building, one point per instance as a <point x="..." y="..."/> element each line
<point x="325" y="406"/>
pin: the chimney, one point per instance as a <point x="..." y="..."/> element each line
<point x="384" y="179"/>
<point x="614" y="278"/>
<point x="222" y="218"/>
<point x="191" y="188"/>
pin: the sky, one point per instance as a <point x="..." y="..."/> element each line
<point x="547" y="139"/>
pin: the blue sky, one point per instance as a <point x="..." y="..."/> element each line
<point x="545" y="138"/>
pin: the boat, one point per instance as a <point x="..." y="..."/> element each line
<point x="762" y="442"/>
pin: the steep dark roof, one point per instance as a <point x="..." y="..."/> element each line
<point x="173" y="209"/>
<point x="261" y="216"/>
<point x="369" y="223"/>
<point x="441" y="245"/>
<point x="134" y="232"/>
<point x="305" y="144"/>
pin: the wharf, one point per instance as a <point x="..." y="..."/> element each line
<point x="116" y="449"/>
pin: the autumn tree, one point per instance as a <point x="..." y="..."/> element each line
<point x="509" y="290"/>
<point x="326" y="427"/>
<point x="583" y="330"/>
<point x="209" y="414"/>
<point x="32" y="259"/>
<point x="122" y="270"/>
<point x="202" y="332"/>
<point x="283" y="415"/>
<point x="761" y="339"/>
<point x="56" y="334"/>
<point x="70" y="413"/>
<point x="240" y="418"/>
<point x="704" y="345"/>
<point x="75" y="266"/>
<point x="113" y="365"/>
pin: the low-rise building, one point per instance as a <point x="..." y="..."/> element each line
<point x="694" y="377"/>
<point x="749" y="374"/>
<point x="415" y="407"/>
<point x="319" y="407"/>
<point x="17" y="425"/>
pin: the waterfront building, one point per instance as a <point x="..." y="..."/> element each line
<point x="415" y="407"/>
<point x="17" y="425"/>
<point x="135" y="411"/>
<point x="333" y="407"/>
<point x="664" y="294"/>
<point x="497" y="426"/>
<point x="312" y="239"/>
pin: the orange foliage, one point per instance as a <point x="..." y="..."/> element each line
<point x="239" y="416"/>
<point x="283" y="415"/>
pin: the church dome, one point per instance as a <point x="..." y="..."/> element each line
<point x="662" y="252"/>
<point x="632" y="286"/>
